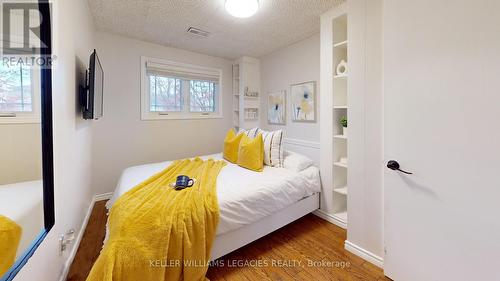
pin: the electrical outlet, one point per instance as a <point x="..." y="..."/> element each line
<point x="65" y="240"/>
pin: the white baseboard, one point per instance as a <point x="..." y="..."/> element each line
<point x="349" y="246"/>
<point x="74" y="249"/>
<point x="364" y="254"/>
<point x="330" y="218"/>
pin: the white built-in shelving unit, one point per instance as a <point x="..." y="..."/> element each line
<point x="333" y="106"/>
<point x="340" y="109"/>
<point x="246" y="93"/>
<point x="236" y="95"/>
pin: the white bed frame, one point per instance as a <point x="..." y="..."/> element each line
<point x="230" y="241"/>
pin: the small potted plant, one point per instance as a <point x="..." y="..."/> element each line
<point x="343" y="122"/>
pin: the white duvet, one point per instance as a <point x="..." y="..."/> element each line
<point x="244" y="196"/>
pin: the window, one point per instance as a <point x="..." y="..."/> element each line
<point x="165" y="94"/>
<point x="19" y="94"/>
<point x="173" y="90"/>
<point x="202" y="96"/>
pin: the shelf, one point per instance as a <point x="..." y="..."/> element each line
<point x="341" y="190"/>
<point x="236" y="95"/>
<point x="342" y="216"/>
<point x="251" y="114"/>
<point x="338" y="105"/>
<point x="341" y="45"/>
<point x="251" y="98"/>
<point x="340" y="164"/>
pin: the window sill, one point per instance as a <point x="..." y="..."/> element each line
<point x="153" y="117"/>
<point x="19" y="120"/>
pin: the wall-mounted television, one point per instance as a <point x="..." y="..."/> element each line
<point x="92" y="91"/>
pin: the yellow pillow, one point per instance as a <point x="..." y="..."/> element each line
<point x="231" y="146"/>
<point x="251" y="153"/>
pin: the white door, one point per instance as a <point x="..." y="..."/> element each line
<point x="442" y="122"/>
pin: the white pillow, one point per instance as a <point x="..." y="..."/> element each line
<point x="273" y="148"/>
<point x="296" y="162"/>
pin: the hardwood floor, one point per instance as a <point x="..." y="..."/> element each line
<point x="307" y="249"/>
<point x="91" y="244"/>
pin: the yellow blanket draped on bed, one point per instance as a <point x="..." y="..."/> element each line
<point x="160" y="234"/>
<point x="10" y="235"/>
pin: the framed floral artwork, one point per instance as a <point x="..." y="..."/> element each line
<point x="276" y="108"/>
<point x="303" y="102"/>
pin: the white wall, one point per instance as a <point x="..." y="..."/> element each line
<point x="73" y="42"/>
<point x="291" y="65"/>
<point x="365" y="200"/>
<point x="121" y="139"/>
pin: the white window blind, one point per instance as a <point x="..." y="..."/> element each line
<point x="183" y="72"/>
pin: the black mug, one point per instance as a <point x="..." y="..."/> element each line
<point x="183" y="182"/>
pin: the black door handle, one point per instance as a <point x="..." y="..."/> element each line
<point x="394" y="165"/>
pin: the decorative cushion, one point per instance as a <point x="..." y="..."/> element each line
<point x="251" y="133"/>
<point x="251" y="153"/>
<point x="231" y="146"/>
<point x="273" y="148"/>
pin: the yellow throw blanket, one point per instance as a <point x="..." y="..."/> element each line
<point x="157" y="233"/>
<point x="10" y="235"/>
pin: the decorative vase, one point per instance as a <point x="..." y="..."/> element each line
<point x="344" y="131"/>
<point x="342" y="68"/>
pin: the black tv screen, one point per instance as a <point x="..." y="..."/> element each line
<point x="94" y="100"/>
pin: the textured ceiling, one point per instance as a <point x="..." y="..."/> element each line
<point x="277" y="24"/>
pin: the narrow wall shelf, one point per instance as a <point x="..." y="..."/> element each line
<point x="341" y="190"/>
<point x="342" y="44"/>
<point x="340" y="164"/>
<point x="344" y="137"/>
<point x="340" y="76"/>
<point x="340" y="106"/>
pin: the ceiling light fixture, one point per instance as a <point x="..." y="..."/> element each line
<point x="242" y="8"/>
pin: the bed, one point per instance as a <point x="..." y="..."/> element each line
<point x="251" y="204"/>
